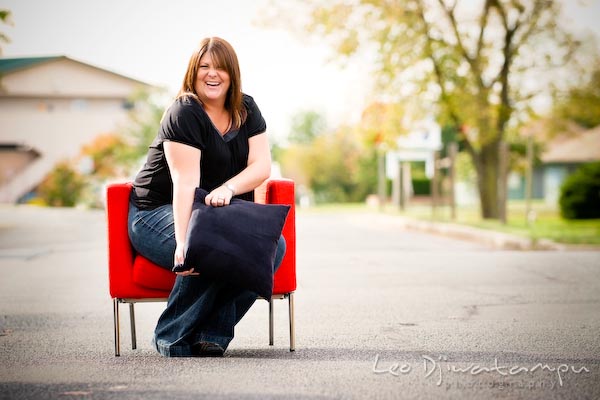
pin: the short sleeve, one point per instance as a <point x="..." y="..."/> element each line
<point x="183" y="123"/>
<point x="255" y="123"/>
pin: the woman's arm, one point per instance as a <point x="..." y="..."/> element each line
<point x="255" y="173"/>
<point x="184" y="166"/>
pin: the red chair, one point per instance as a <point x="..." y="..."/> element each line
<point x="133" y="278"/>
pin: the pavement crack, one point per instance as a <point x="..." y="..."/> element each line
<point x="546" y="276"/>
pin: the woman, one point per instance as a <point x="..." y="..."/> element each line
<point x="212" y="136"/>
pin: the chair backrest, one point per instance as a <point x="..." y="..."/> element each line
<point x="121" y="255"/>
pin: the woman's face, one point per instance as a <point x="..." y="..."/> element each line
<point x="212" y="82"/>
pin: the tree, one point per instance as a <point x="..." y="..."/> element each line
<point x="306" y="126"/>
<point x="333" y="165"/>
<point x="110" y="156"/>
<point x="5" y="18"/>
<point x="581" y="103"/>
<point x="147" y="109"/>
<point x="62" y="187"/>
<point x="472" y="60"/>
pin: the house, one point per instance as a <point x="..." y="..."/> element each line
<point x="561" y="156"/>
<point x="49" y="108"/>
<point x="420" y="144"/>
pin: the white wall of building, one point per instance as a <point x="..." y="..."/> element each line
<point x="56" y="108"/>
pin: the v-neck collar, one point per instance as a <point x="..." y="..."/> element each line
<point x="227" y="136"/>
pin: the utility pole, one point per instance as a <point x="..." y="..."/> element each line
<point x="434" y="184"/>
<point x="529" y="180"/>
<point x="452" y="150"/>
<point x="502" y="175"/>
<point x="381" y="175"/>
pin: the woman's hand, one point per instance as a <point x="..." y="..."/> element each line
<point x="179" y="258"/>
<point x="219" y="197"/>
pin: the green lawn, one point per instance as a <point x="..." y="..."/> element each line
<point x="547" y="223"/>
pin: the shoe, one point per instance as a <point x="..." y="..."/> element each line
<point x="207" y="349"/>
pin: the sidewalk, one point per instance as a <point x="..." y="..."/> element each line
<point x="381" y="313"/>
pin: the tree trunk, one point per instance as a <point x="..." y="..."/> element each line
<point x="487" y="167"/>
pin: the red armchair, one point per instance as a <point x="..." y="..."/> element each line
<point x="133" y="278"/>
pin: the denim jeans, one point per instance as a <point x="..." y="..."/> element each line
<point x="198" y="309"/>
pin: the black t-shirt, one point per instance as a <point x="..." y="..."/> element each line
<point x="222" y="156"/>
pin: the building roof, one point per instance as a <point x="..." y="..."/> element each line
<point x="10" y="65"/>
<point x="581" y="148"/>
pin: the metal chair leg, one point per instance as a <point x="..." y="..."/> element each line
<point x="271" y="323"/>
<point x="292" y="325"/>
<point x="132" y="322"/>
<point x="116" y="327"/>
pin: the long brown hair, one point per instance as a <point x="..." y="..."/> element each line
<point x="223" y="56"/>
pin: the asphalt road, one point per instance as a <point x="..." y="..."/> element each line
<point x="381" y="313"/>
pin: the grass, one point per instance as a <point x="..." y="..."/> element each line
<point x="547" y="223"/>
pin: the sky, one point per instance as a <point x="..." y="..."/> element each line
<point x="152" y="40"/>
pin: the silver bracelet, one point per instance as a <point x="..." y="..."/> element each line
<point x="231" y="188"/>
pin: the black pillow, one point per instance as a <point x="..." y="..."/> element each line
<point x="235" y="243"/>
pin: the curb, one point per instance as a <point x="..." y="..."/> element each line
<point x="498" y="240"/>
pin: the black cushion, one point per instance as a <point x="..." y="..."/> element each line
<point x="235" y="243"/>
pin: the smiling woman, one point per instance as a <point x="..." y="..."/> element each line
<point x="213" y="76"/>
<point x="212" y="137"/>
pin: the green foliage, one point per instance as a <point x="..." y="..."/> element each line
<point x="421" y="186"/>
<point x="580" y="193"/>
<point x="382" y="123"/>
<point x="62" y="187"/>
<point x="143" y="124"/>
<point x="582" y="103"/>
<point x="334" y="166"/>
<point x="437" y="58"/>
<point x="331" y="165"/>
<point x="5" y="18"/>
<point x="110" y="156"/>
<point x="306" y="126"/>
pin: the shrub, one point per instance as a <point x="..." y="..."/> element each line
<point x="580" y="193"/>
<point x="421" y="186"/>
<point x="62" y="187"/>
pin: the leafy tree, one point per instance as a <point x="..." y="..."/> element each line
<point x="470" y="59"/>
<point x="5" y="18"/>
<point x="62" y="187"/>
<point x="306" y="126"/>
<point x="110" y="155"/>
<point x="581" y="103"/>
<point x="147" y="109"/>
<point x="381" y="123"/>
<point x="334" y="166"/>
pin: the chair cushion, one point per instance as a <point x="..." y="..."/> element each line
<point x="150" y="275"/>
<point x="236" y="243"/>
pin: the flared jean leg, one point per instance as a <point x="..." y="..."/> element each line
<point x="219" y="328"/>
<point x="199" y="309"/>
<point x="190" y="303"/>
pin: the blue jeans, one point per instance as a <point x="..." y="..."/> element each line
<point x="198" y="309"/>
